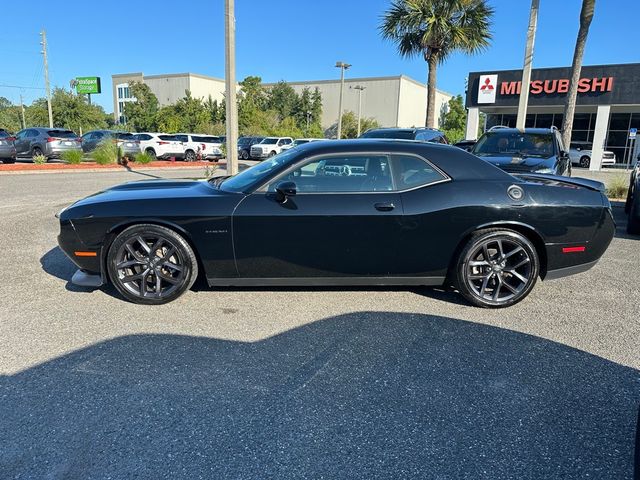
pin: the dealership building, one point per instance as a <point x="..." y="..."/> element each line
<point x="607" y="107"/>
<point x="395" y="101"/>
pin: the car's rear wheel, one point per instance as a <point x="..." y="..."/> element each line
<point x="272" y="153"/>
<point x="9" y="160"/>
<point x="151" y="152"/>
<point x="190" y="156"/>
<point x="496" y="268"/>
<point x="585" y="161"/>
<point x="36" y="152"/>
<point x="150" y="264"/>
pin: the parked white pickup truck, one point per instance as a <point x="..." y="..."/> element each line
<point x="269" y="147"/>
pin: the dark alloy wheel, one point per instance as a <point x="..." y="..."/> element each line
<point x="272" y="153"/>
<point x="190" y="156"/>
<point x="244" y="154"/>
<point x="150" y="264"/>
<point x="151" y="152"/>
<point x="497" y="268"/>
<point x="585" y="162"/>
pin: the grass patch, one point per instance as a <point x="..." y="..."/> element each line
<point x="105" y="154"/>
<point x="39" y="159"/>
<point x="617" y="187"/>
<point x="143" y="158"/>
<point x="74" y="157"/>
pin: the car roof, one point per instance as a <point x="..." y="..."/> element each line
<point x="455" y="162"/>
<point x="517" y="130"/>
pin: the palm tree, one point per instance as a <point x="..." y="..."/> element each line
<point x="586" y="15"/>
<point x="435" y="29"/>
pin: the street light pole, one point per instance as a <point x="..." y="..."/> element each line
<point x="360" y="88"/>
<point x="342" y="66"/>
<point x="43" y="33"/>
<point x="526" y="69"/>
<point x="230" y="84"/>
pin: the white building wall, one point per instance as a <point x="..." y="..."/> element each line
<point x="203" y="87"/>
<point x="168" y="88"/>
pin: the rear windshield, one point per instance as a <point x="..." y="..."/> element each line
<point x="398" y="134"/>
<point x="126" y="136"/>
<point x="206" y="139"/>
<point x="61" y="134"/>
<point x="501" y="143"/>
<point x="171" y="138"/>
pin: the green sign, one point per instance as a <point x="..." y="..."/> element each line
<point x="88" y="85"/>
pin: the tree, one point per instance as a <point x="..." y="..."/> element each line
<point x="282" y="98"/>
<point x="436" y="29"/>
<point x="142" y="113"/>
<point x="586" y="15"/>
<point x="455" y="120"/>
<point x="350" y="125"/>
<point x="69" y="111"/>
<point x="10" y="118"/>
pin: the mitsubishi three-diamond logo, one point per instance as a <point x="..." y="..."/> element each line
<point x="487" y="87"/>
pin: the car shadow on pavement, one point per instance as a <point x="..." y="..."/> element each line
<point x="363" y="395"/>
<point x="620" y="218"/>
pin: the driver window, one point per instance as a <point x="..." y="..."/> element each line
<point x="346" y="173"/>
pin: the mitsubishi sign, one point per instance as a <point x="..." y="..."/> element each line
<point x="487" y="88"/>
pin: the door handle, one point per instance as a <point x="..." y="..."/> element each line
<point x="384" y="207"/>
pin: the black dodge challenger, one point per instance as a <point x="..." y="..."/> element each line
<point x="360" y="212"/>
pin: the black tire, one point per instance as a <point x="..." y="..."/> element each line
<point x="159" y="263"/>
<point x="244" y="154"/>
<point x="627" y="203"/>
<point x="190" y="156"/>
<point x="9" y="160"/>
<point x="633" y="222"/>
<point x="271" y="153"/>
<point x="585" y="161"/>
<point x="151" y="152"/>
<point x="512" y="267"/>
<point x="36" y="151"/>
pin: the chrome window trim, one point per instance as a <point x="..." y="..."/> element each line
<point x="446" y="178"/>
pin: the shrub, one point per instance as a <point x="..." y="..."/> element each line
<point x="39" y="159"/>
<point x="142" y="158"/>
<point x="73" y="157"/>
<point x="209" y="170"/>
<point x="105" y="154"/>
<point x="617" y="187"/>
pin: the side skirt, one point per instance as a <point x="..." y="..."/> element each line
<point x="565" y="272"/>
<point x="325" y="281"/>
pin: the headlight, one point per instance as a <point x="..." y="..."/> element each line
<point x="545" y="170"/>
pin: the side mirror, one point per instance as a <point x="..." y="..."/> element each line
<point x="285" y="190"/>
<point x="564" y="154"/>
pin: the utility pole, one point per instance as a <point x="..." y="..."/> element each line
<point x="360" y="88"/>
<point x="230" y="83"/>
<point x="24" y="122"/>
<point x="342" y="66"/>
<point x="526" y="69"/>
<point x="43" y="33"/>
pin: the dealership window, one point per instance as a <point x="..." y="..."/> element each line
<point x="618" y="135"/>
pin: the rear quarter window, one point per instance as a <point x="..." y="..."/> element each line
<point x="411" y="172"/>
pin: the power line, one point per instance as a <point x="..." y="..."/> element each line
<point x="21" y="86"/>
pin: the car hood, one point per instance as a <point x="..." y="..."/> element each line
<point x="151" y="190"/>
<point x="519" y="163"/>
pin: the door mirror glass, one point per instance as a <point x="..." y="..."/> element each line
<point x="285" y="190"/>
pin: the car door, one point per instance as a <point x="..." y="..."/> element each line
<point x="344" y="221"/>
<point x="87" y="141"/>
<point x="21" y="143"/>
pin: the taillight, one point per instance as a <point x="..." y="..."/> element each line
<point x="204" y="147"/>
<point x="162" y="143"/>
<point x="136" y="142"/>
<point x="51" y="139"/>
<point x="79" y="140"/>
<point x="10" y="139"/>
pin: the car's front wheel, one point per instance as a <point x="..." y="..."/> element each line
<point x="496" y="268"/>
<point x="585" y="161"/>
<point x="244" y="154"/>
<point x="150" y="264"/>
<point x="272" y="153"/>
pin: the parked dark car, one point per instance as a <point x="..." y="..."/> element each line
<point x="632" y="205"/>
<point x="7" y="147"/>
<point x="50" y="142"/>
<point x="245" y="144"/>
<point x="534" y="150"/>
<point x="421" y="134"/>
<point x="347" y="212"/>
<point x="127" y="142"/>
<point x="465" y="144"/>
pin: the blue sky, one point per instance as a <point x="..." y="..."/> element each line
<point x="277" y="39"/>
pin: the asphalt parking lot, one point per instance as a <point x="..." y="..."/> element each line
<point x="307" y="383"/>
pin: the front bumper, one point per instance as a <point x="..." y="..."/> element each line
<point x="261" y="154"/>
<point x="83" y="256"/>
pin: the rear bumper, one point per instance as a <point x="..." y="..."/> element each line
<point x="566" y="271"/>
<point x="57" y="151"/>
<point x="7" y="152"/>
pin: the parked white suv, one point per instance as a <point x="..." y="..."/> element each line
<point x="206" y="147"/>
<point x="160" y="145"/>
<point x="269" y="147"/>
<point x="580" y="154"/>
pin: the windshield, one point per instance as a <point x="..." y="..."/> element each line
<point x="269" y="141"/>
<point x="258" y="173"/>
<point x="300" y="142"/>
<point x="518" y="144"/>
<point x="397" y="134"/>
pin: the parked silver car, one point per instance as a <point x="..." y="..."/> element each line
<point x="7" y="147"/>
<point x="50" y="142"/>
<point x="127" y="142"/>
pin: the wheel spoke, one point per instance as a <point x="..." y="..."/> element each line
<point x="172" y="265"/>
<point x="513" y="252"/>
<point x="143" y="285"/>
<point x="517" y="275"/>
<point x="169" y="253"/>
<point x="521" y="263"/>
<point x="485" y="252"/>
<point x="132" y="252"/>
<point x="133" y="278"/>
<point x="485" y="283"/>
<point x="158" y="285"/>
<point x="500" y="250"/>
<point x="168" y="278"/>
<point x="509" y="287"/>
<point x="143" y="244"/>
<point x="157" y="245"/>
<point x="496" y="291"/>
<point x="129" y="263"/>
<point x="478" y="263"/>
